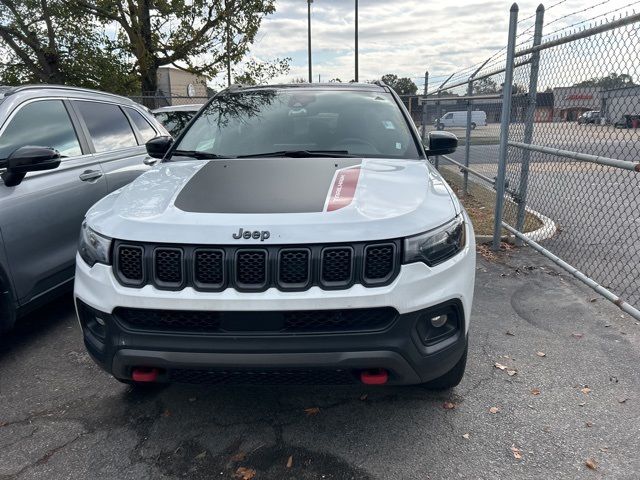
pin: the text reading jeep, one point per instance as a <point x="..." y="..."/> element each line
<point x="291" y="234"/>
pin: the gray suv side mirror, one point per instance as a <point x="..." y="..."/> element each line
<point x="441" y="143"/>
<point x="157" y="147"/>
<point x="29" y="159"/>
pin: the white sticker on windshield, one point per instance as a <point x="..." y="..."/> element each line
<point x="398" y="146"/>
<point x="388" y="124"/>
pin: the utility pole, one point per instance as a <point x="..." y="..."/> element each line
<point x="228" y="35"/>
<point x="309" y="2"/>
<point x="356" y="78"/>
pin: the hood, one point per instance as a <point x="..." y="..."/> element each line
<point x="295" y="200"/>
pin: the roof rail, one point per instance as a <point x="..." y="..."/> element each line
<point x="43" y="86"/>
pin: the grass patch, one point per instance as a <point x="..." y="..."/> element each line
<point x="480" y="204"/>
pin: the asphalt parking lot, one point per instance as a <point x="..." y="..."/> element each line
<point x="574" y="398"/>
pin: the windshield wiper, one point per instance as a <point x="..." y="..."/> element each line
<point x="302" y="154"/>
<point x="197" y="154"/>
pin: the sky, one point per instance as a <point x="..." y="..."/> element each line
<point x="407" y="37"/>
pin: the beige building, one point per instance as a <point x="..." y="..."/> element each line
<point x="182" y="87"/>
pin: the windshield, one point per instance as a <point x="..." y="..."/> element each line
<point x="175" y="122"/>
<point x="251" y="123"/>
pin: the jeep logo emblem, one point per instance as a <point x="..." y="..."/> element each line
<point x="248" y="235"/>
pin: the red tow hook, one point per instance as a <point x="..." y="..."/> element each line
<point x="378" y="376"/>
<point x="144" y="374"/>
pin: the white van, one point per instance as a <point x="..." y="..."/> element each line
<point x="459" y="119"/>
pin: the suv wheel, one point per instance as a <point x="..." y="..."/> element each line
<point x="452" y="378"/>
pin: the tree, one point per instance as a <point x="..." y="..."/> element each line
<point x="485" y="86"/>
<point x="402" y="86"/>
<point x="258" y="73"/>
<point x="49" y="41"/>
<point x="199" y="36"/>
<point x="610" y="82"/>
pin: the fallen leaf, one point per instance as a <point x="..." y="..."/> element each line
<point x="290" y="461"/>
<point x="244" y="473"/>
<point x="582" y="404"/>
<point x="239" y="457"/>
<point x="604" y="449"/>
<point x="201" y="455"/>
<point x="448" y="405"/>
<point x="592" y="300"/>
<point x="622" y="400"/>
<point x="494" y="410"/>
<point x="465" y="436"/>
<point x="577" y="335"/>
<point x="592" y="464"/>
<point x="500" y="366"/>
<point x="510" y="333"/>
<point x="517" y="453"/>
<point x="541" y="354"/>
<point x="312" y="411"/>
<point x="585" y="390"/>
<point x="511" y="373"/>
<point x="589" y="424"/>
<point x="535" y="391"/>
<point x="166" y="413"/>
<point x="363" y="397"/>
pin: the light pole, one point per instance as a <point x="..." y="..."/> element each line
<point x="309" y="2"/>
<point x="356" y="79"/>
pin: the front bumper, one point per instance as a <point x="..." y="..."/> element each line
<point x="415" y="293"/>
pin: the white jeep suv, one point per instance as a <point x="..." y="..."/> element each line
<point x="292" y="234"/>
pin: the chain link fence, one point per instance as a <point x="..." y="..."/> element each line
<point x="159" y="100"/>
<point x="561" y="143"/>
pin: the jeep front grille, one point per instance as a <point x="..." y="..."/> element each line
<point x="287" y="268"/>
<point x="256" y="322"/>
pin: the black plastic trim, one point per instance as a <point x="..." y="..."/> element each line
<point x="173" y="286"/>
<point x="394" y="271"/>
<point x="295" y="287"/>
<point x="251" y="287"/>
<point x="116" y="265"/>
<point x="327" y="285"/>
<point x="208" y="287"/>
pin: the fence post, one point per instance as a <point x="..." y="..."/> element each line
<point x="467" y="146"/>
<point x="436" y="159"/>
<point x="423" y="130"/>
<point x="504" y="126"/>
<point x="529" y="119"/>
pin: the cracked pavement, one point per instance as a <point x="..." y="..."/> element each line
<point x="62" y="417"/>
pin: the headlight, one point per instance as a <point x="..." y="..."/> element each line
<point x="94" y="248"/>
<point x="436" y="246"/>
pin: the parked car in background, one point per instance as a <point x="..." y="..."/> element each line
<point x="459" y="119"/>
<point x="61" y="150"/>
<point x="292" y="234"/>
<point x="592" y="116"/>
<point x="628" y="121"/>
<point x="176" y="117"/>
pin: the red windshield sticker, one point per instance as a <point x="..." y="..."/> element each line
<point x="343" y="189"/>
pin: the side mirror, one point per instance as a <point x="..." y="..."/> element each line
<point x="29" y="159"/>
<point x="441" y="143"/>
<point x="157" y="147"/>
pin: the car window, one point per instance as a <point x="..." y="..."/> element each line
<point x="253" y="122"/>
<point x="448" y="116"/>
<point x="43" y="123"/>
<point x="174" y="122"/>
<point x="108" y="126"/>
<point x="144" y="127"/>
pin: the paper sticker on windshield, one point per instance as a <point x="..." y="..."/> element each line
<point x="343" y="188"/>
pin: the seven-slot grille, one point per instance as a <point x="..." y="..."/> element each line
<point x="287" y="268"/>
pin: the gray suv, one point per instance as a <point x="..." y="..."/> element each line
<point x="61" y="150"/>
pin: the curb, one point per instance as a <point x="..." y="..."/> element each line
<point x="546" y="231"/>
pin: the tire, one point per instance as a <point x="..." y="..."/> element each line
<point x="452" y="378"/>
<point x="473" y="126"/>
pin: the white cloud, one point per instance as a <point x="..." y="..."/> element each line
<point x="405" y="37"/>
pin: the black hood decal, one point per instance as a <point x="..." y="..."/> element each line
<point x="280" y="185"/>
